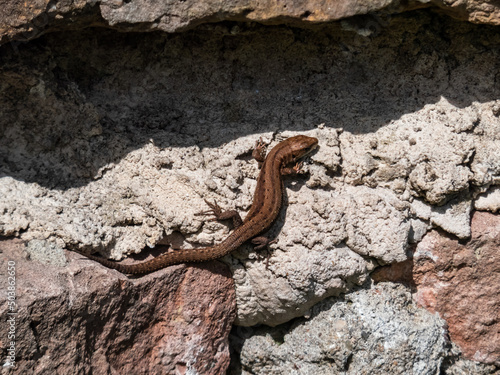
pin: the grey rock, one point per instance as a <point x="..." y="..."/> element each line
<point x="377" y="331"/>
<point x="46" y="253"/>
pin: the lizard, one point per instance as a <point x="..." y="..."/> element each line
<point x="265" y="208"/>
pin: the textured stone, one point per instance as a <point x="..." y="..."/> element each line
<point x="112" y="144"/>
<point x="377" y="330"/>
<point x="377" y="224"/>
<point x="460" y="282"/>
<point x="83" y="318"/>
<point x="25" y="21"/>
<point x="478" y="11"/>
<point x="488" y="201"/>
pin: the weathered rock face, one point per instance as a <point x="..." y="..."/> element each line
<point x="379" y="329"/>
<point x="367" y="329"/>
<point x="461" y="282"/>
<point x="110" y="142"/>
<point x="114" y="142"/>
<point x="73" y="316"/>
<point x="25" y="21"/>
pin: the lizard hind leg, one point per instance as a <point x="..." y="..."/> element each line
<point x="263" y="242"/>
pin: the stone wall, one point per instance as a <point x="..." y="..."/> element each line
<point x="111" y="140"/>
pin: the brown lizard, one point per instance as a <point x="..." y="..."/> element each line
<point x="267" y="202"/>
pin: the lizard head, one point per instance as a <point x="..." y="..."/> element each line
<point x="301" y="145"/>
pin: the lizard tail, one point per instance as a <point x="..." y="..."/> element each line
<point x="161" y="261"/>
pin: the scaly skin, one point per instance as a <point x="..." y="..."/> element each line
<point x="267" y="202"/>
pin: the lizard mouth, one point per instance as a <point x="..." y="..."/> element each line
<point x="308" y="151"/>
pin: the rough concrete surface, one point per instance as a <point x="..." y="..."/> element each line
<point x="83" y="318"/>
<point x="110" y="143"/>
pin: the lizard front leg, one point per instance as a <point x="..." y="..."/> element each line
<point x="259" y="152"/>
<point x="295" y="170"/>
<point x="220" y="215"/>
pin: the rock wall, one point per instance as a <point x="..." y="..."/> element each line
<point x="77" y="318"/>
<point x="110" y="142"/>
<point x="22" y="21"/>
